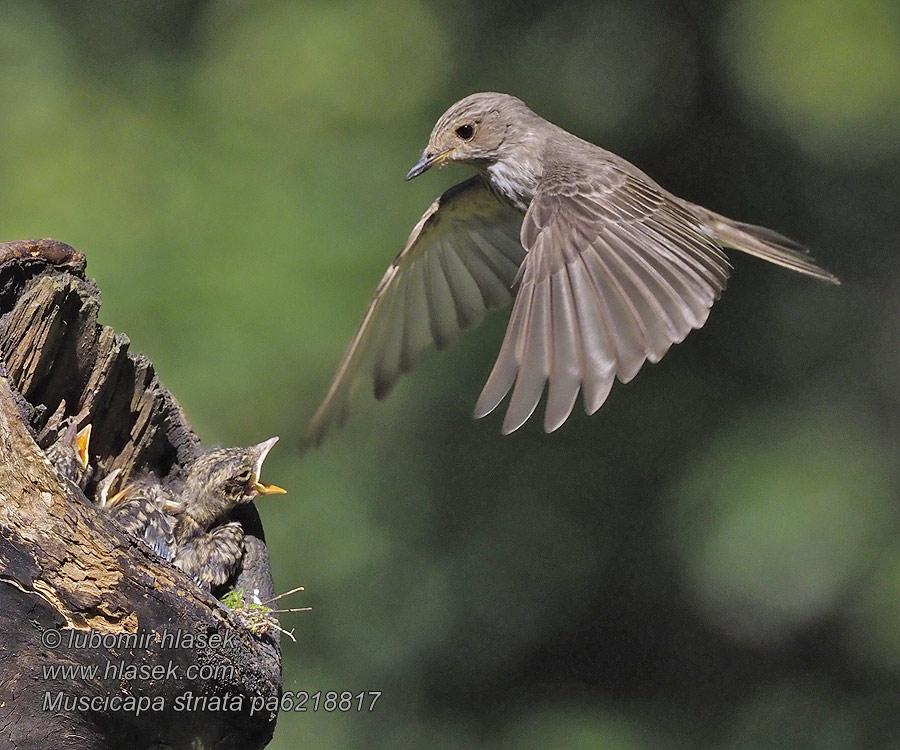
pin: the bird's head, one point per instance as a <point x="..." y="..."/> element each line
<point x="69" y="454"/>
<point x="480" y="130"/>
<point x="228" y="477"/>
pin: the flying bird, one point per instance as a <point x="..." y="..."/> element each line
<point x="606" y="268"/>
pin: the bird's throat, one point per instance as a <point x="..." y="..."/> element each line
<point x="514" y="184"/>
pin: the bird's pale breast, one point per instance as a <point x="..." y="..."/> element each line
<point x="512" y="183"/>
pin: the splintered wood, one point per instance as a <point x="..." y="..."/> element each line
<point x="65" y="567"/>
<point x="65" y="364"/>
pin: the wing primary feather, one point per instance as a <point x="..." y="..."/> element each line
<point x="495" y="289"/>
<point x="662" y="307"/>
<point x="690" y="285"/>
<point x="334" y="405"/>
<point x="598" y="348"/>
<point x="678" y="298"/>
<point x="442" y="307"/>
<point x="567" y="352"/>
<point x="468" y="301"/>
<point x="416" y="328"/>
<point x="533" y="350"/>
<point x="658" y="327"/>
<point x="698" y="252"/>
<point x="504" y="256"/>
<point x="506" y="366"/>
<point x="387" y="358"/>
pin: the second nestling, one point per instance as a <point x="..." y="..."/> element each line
<point x="183" y="521"/>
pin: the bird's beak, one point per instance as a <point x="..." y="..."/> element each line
<point x="103" y="486"/>
<point x="427" y="162"/>
<point x="260" y="487"/>
<point x="119" y="496"/>
<point x="82" y="441"/>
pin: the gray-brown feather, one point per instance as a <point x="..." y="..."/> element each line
<point x="142" y="513"/>
<point x="613" y="269"/>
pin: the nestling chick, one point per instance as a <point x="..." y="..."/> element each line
<point x="217" y="482"/>
<point x="69" y="454"/>
<point x="101" y="495"/>
<point x="178" y="520"/>
<point x="212" y="558"/>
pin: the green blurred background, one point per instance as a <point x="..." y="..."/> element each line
<point x="712" y="560"/>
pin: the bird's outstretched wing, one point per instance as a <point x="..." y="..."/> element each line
<point x="460" y="260"/>
<point x="139" y="510"/>
<point x="616" y="272"/>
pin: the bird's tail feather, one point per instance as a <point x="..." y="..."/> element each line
<point x="767" y="244"/>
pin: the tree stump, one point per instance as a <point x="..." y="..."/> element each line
<point x="102" y="643"/>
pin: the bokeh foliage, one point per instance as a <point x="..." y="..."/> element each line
<point x="712" y="560"/>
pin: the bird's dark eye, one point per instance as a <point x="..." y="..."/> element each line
<point x="466" y="132"/>
<point x="243" y="477"/>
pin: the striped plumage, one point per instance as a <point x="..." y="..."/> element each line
<point x="185" y="521"/>
<point x="144" y="509"/>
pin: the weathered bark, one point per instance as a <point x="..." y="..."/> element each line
<point x="67" y="569"/>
